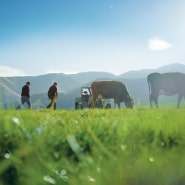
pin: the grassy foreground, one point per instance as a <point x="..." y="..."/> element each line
<point x="84" y="147"/>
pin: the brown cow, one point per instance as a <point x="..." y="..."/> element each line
<point x="169" y="83"/>
<point x="111" y="89"/>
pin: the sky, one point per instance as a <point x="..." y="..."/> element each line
<point x="71" y="36"/>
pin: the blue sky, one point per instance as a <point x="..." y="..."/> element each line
<point x="70" y="36"/>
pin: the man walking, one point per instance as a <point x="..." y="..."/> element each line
<point x="52" y="95"/>
<point x="25" y="96"/>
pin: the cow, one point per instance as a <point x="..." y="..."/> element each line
<point x="109" y="89"/>
<point x="169" y="83"/>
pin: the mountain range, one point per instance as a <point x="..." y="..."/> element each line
<point x="69" y="86"/>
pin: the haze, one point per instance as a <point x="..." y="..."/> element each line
<point x="72" y="36"/>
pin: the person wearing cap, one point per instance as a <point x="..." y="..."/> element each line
<point x="52" y="95"/>
<point x="25" y="96"/>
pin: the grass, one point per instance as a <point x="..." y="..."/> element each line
<point x="92" y="146"/>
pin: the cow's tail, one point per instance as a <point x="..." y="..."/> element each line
<point x="149" y="87"/>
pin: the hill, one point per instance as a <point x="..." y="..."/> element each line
<point x="69" y="86"/>
<point x="175" y="67"/>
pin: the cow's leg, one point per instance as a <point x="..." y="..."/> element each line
<point x="179" y="99"/>
<point x="119" y="105"/>
<point x="92" y="102"/>
<point x="150" y="99"/>
<point x="116" y="101"/>
<point x="154" y="97"/>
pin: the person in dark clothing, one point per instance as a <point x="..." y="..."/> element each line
<point x="25" y="96"/>
<point x="52" y="95"/>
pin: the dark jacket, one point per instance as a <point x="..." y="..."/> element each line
<point x="52" y="92"/>
<point x="25" y="91"/>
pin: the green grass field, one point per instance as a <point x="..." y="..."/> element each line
<point x="142" y="146"/>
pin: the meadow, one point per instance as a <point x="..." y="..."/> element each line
<point x="142" y="146"/>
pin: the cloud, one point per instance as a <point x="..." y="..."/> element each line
<point x="158" y="44"/>
<point x="60" y="71"/>
<point x="6" y="71"/>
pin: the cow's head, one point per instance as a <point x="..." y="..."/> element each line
<point x="129" y="103"/>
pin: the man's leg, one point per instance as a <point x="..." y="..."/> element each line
<point x="18" y="107"/>
<point x="22" y="102"/>
<point x="53" y="103"/>
<point x="55" y="106"/>
<point x="28" y="102"/>
<point x="49" y="105"/>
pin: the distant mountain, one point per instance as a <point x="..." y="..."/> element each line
<point x="175" y="67"/>
<point x="86" y="77"/>
<point x="69" y="86"/>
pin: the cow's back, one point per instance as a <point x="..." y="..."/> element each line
<point x="107" y="88"/>
<point x="173" y="82"/>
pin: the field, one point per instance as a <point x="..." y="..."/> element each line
<point x="142" y="146"/>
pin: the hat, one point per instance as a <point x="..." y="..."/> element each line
<point x="27" y="83"/>
<point x="55" y="83"/>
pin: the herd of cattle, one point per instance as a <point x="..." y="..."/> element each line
<point x="166" y="83"/>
